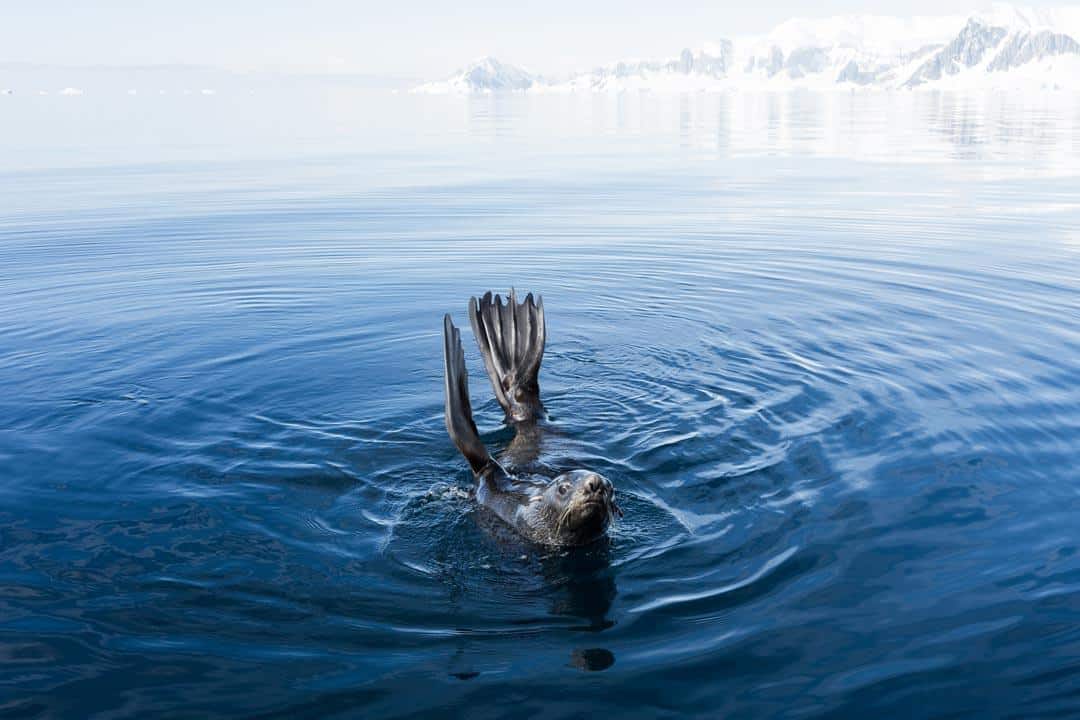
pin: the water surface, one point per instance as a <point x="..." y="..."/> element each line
<point x="825" y="346"/>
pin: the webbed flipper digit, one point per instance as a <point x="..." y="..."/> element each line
<point x="511" y="339"/>
<point x="459" y="419"/>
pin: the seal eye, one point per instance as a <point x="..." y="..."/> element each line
<point x="563" y="488"/>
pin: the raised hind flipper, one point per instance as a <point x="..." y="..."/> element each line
<point x="511" y="339"/>
<point x="459" y="419"/>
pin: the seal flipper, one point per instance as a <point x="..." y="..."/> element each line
<point x="459" y="420"/>
<point x="511" y="338"/>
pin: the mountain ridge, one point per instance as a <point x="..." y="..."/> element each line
<point x="1005" y="46"/>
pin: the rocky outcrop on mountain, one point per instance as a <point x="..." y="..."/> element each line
<point x="969" y="48"/>
<point x="1024" y="48"/>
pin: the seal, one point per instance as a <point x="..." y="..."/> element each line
<point x="573" y="508"/>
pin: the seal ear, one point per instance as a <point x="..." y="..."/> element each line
<point x="459" y="420"/>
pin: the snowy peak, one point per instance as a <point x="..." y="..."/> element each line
<point x="689" y="67"/>
<point x="1005" y="46"/>
<point x="488" y="73"/>
<point x="967" y="50"/>
<point x="1024" y="48"/>
<point x="1004" y="40"/>
<point x="484" y="75"/>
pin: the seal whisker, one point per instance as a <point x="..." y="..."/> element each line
<point x="562" y="519"/>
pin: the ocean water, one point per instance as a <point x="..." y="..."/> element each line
<point x="827" y="347"/>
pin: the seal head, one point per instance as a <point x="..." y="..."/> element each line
<point x="575" y="508"/>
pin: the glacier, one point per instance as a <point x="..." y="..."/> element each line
<point x="1004" y="47"/>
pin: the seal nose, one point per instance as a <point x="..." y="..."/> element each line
<point x="594" y="485"/>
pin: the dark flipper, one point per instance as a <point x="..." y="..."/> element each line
<point x="459" y="420"/>
<point x="511" y="339"/>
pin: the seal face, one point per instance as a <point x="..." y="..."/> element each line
<point x="574" y="508"/>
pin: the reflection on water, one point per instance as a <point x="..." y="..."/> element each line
<point x="825" y="346"/>
<point x="889" y="126"/>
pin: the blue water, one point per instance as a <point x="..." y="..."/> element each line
<point x="826" y="348"/>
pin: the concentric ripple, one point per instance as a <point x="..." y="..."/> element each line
<point x="838" y="396"/>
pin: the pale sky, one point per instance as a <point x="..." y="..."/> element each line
<point x="421" y="39"/>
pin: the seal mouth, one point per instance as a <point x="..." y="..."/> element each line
<point x="584" y="511"/>
<point x="585" y="521"/>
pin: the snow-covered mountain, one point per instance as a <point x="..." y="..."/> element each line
<point x="690" y="70"/>
<point x="1004" y="47"/>
<point x="483" y="75"/>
